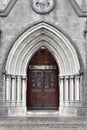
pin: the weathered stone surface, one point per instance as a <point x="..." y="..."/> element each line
<point x="43" y="123"/>
<point x="63" y="16"/>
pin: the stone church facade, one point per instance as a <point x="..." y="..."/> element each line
<point x="28" y="28"/>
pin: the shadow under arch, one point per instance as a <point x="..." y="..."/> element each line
<point x="37" y="49"/>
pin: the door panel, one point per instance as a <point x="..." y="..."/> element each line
<point x="50" y="92"/>
<point x="35" y="100"/>
<point x="46" y="79"/>
<point x="51" y="100"/>
<point x="43" y="89"/>
<point x="35" y="93"/>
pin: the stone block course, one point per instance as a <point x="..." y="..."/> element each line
<point x="63" y="16"/>
<point x="43" y="123"/>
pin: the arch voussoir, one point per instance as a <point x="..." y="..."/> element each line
<point x="46" y="35"/>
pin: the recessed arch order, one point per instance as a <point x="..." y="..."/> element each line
<point x="42" y="34"/>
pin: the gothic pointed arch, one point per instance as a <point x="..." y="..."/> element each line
<point x="43" y="34"/>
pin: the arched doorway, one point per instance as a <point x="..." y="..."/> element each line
<point x="42" y="81"/>
<point x="62" y="49"/>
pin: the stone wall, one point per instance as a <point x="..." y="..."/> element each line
<point x="23" y="16"/>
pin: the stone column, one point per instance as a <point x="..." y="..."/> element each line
<point x="72" y="89"/>
<point x="24" y="90"/>
<point x="18" y="90"/>
<point x="13" y="89"/>
<point x="61" y="85"/>
<point x="8" y="88"/>
<point x="4" y="86"/>
<point x="77" y="88"/>
<point x="66" y="89"/>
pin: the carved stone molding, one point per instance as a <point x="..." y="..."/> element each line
<point x="42" y="6"/>
<point x="6" y="11"/>
<point x="77" y="8"/>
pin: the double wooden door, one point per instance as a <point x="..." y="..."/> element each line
<point x="42" y="89"/>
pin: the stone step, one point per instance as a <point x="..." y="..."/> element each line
<point x="41" y="123"/>
<point x="44" y="120"/>
<point x="45" y="113"/>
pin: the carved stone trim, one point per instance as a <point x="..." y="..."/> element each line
<point x="7" y="10"/>
<point x="42" y="6"/>
<point x="77" y="9"/>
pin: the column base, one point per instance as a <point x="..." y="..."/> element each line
<point x="3" y="112"/>
<point x="72" y="111"/>
<point x="17" y="111"/>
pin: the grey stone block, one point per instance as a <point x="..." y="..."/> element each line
<point x="22" y="17"/>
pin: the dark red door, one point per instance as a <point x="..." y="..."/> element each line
<point x="42" y="82"/>
<point x="43" y="91"/>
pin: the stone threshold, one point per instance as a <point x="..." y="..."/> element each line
<point x="43" y="113"/>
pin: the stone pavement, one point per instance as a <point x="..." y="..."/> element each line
<point x="43" y="123"/>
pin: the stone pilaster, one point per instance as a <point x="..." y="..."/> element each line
<point x="85" y="73"/>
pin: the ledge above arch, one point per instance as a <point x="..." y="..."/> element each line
<point x="43" y="34"/>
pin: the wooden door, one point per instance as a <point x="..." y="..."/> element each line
<point x="42" y="82"/>
<point x="43" y="91"/>
<point x="50" y="89"/>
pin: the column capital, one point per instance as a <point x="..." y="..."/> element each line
<point x="8" y="76"/>
<point x="13" y="76"/>
<point x="18" y="76"/>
